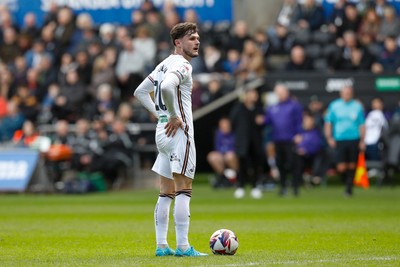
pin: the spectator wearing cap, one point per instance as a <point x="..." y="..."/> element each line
<point x="285" y="119"/>
<point x="345" y="133"/>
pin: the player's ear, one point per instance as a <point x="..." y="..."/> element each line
<point x="178" y="42"/>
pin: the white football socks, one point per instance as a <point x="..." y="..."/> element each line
<point x="182" y="218"/>
<point x="161" y="218"/>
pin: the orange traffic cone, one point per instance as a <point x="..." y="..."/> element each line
<point x="361" y="176"/>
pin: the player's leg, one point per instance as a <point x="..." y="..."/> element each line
<point x="161" y="212"/>
<point x="183" y="195"/>
<point x="351" y="165"/>
<point x="341" y="157"/>
<point x="281" y="164"/>
<point x="162" y="209"/>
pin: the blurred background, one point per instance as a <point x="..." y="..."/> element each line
<point x="68" y="71"/>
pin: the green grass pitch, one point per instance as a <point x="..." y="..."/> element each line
<point x="320" y="228"/>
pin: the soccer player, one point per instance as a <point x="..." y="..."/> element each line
<point x="171" y="82"/>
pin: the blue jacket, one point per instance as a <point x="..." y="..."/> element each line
<point x="311" y="142"/>
<point x="286" y="120"/>
<point x="224" y="142"/>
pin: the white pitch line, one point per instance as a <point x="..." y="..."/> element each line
<point x="303" y="262"/>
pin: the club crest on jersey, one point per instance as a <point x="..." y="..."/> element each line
<point x="183" y="71"/>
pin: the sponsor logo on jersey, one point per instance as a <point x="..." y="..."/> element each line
<point x="174" y="157"/>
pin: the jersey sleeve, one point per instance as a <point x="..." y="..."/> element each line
<point x="182" y="70"/>
<point x="360" y="115"/>
<point x="142" y="93"/>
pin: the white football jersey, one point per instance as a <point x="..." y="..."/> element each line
<point x="179" y="66"/>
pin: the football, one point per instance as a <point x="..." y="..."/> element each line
<point x="224" y="242"/>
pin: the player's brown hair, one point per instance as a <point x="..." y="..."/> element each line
<point x="182" y="29"/>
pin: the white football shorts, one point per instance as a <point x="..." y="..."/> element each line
<point x="175" y="154"/>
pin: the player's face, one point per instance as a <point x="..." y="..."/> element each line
<point x="191" y="45"/>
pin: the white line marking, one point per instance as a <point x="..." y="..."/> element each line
<point x="292" y="262"/>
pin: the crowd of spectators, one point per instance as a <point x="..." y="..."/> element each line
<point x="70" y="69"/>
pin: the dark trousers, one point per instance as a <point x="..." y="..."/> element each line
<point x="285" y="156"/>
<point x="300" y="164"/>
<point x="249" y="167"/>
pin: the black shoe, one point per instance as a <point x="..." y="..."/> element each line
<point x="348" y="193"/>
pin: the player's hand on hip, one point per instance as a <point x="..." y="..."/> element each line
<point x="174" y="123"/>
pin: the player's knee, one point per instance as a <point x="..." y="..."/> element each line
<point x="182" y="182"/>
<point x="167" y="186"/>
